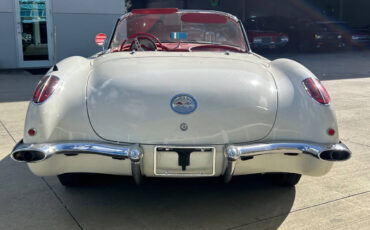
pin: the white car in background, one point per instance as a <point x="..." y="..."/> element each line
<point x="160" y="101"/>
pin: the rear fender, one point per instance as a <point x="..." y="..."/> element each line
<point x="299" y="116"/>
<point x="63" y="116"/>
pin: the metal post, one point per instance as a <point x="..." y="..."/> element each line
<point x="55" y="45"/>
<point x="341" y="10"/>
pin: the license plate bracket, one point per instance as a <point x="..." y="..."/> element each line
<point x="184" y="157"/>
<point x="184" y="161"/>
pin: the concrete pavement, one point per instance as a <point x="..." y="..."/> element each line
<point x="338" y="200"/>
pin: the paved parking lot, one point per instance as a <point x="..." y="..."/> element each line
<point x="338" y="200"/>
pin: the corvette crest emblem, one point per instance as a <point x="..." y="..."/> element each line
<point x="183" y="104"/>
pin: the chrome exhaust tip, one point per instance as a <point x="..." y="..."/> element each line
<point x="28" y="156"/>
<point x="335" y="155"/>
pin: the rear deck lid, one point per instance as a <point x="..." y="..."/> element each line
<point x="134" y="100"/>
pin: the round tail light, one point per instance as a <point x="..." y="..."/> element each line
<point x="31" y="132"/>
<point x="331" y="132"/>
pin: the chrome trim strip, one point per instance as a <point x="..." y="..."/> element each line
<point x="185" y="175"/>
<point x="113" y="33"/>
<point x="245" y="37"/>
<point x="43" y="87"/>
<point x="59" y="85"/>
<point x="313" y="99"/>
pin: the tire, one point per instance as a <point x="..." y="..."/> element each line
<point x="70" y="179"/>
<point x="284" y="179"/>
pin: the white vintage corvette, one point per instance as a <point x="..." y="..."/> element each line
<point x="179" y="93"/>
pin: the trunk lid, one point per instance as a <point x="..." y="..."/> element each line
<point x="128" y="99"/>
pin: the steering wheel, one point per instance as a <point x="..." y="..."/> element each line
<point x="141" y="42"/>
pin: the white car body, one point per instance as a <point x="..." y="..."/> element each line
<point x="111" y="114"/>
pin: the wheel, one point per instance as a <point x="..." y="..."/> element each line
<point x="284" y="179"/>
<point x="70" y="179"/>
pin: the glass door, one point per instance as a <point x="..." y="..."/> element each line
<point x="34" y="33"/>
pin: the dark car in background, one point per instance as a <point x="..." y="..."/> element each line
<point x="305" y="34"/>
<point x="360" y="37"/>
<point x="260" y="36"/>
<point x="288" y="26"/>
<point x="325" y="35"/>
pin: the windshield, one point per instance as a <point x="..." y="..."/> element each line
<point x="179" y="31"/>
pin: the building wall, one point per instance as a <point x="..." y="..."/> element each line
<point x="8" y="51"/>
<point x="78" y="21"/>
<point x="356" y="12"/>
<point x="168" y="3"/>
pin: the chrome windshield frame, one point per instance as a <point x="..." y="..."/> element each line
<point x="245" y="37"/>
<point x="113" y="32"/>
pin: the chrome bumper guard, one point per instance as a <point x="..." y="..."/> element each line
<point x="334" y="152"/>
<point x="31" y="153"/>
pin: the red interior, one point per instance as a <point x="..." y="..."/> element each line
<point x="204" y="18"/>
<point x="155" y="11"/>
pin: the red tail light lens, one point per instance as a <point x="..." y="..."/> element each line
<point x="45" y="88"/>
<point x="316" y="90"/>
<point x="331" y="132"/>
<point x="32" y="132"/>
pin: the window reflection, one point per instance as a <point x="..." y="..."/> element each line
<point x="34" y="31"/>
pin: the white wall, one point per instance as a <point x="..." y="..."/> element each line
<point x="8" y="51"/>
<point x="78" y="21"/>
<point x="88" y="6"/>
<point x="7" y="6"/>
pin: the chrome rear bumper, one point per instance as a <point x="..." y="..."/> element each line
<point x="334" y="152"/>
<point x="32" y="153"/>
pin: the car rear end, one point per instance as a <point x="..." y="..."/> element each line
<point x="180" y="114"/>
<point x="235" y="129"/>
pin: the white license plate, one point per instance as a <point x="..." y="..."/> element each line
<point x="184" y="161"/>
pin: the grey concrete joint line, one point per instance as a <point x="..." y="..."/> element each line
<point x="353" y="142"/>
<point x="2" y="124"/>
<point x="62" y="203"/>
<point x="297" y="210"/>
<point x="331" y="201"/>
<point x="47" y="184"/>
